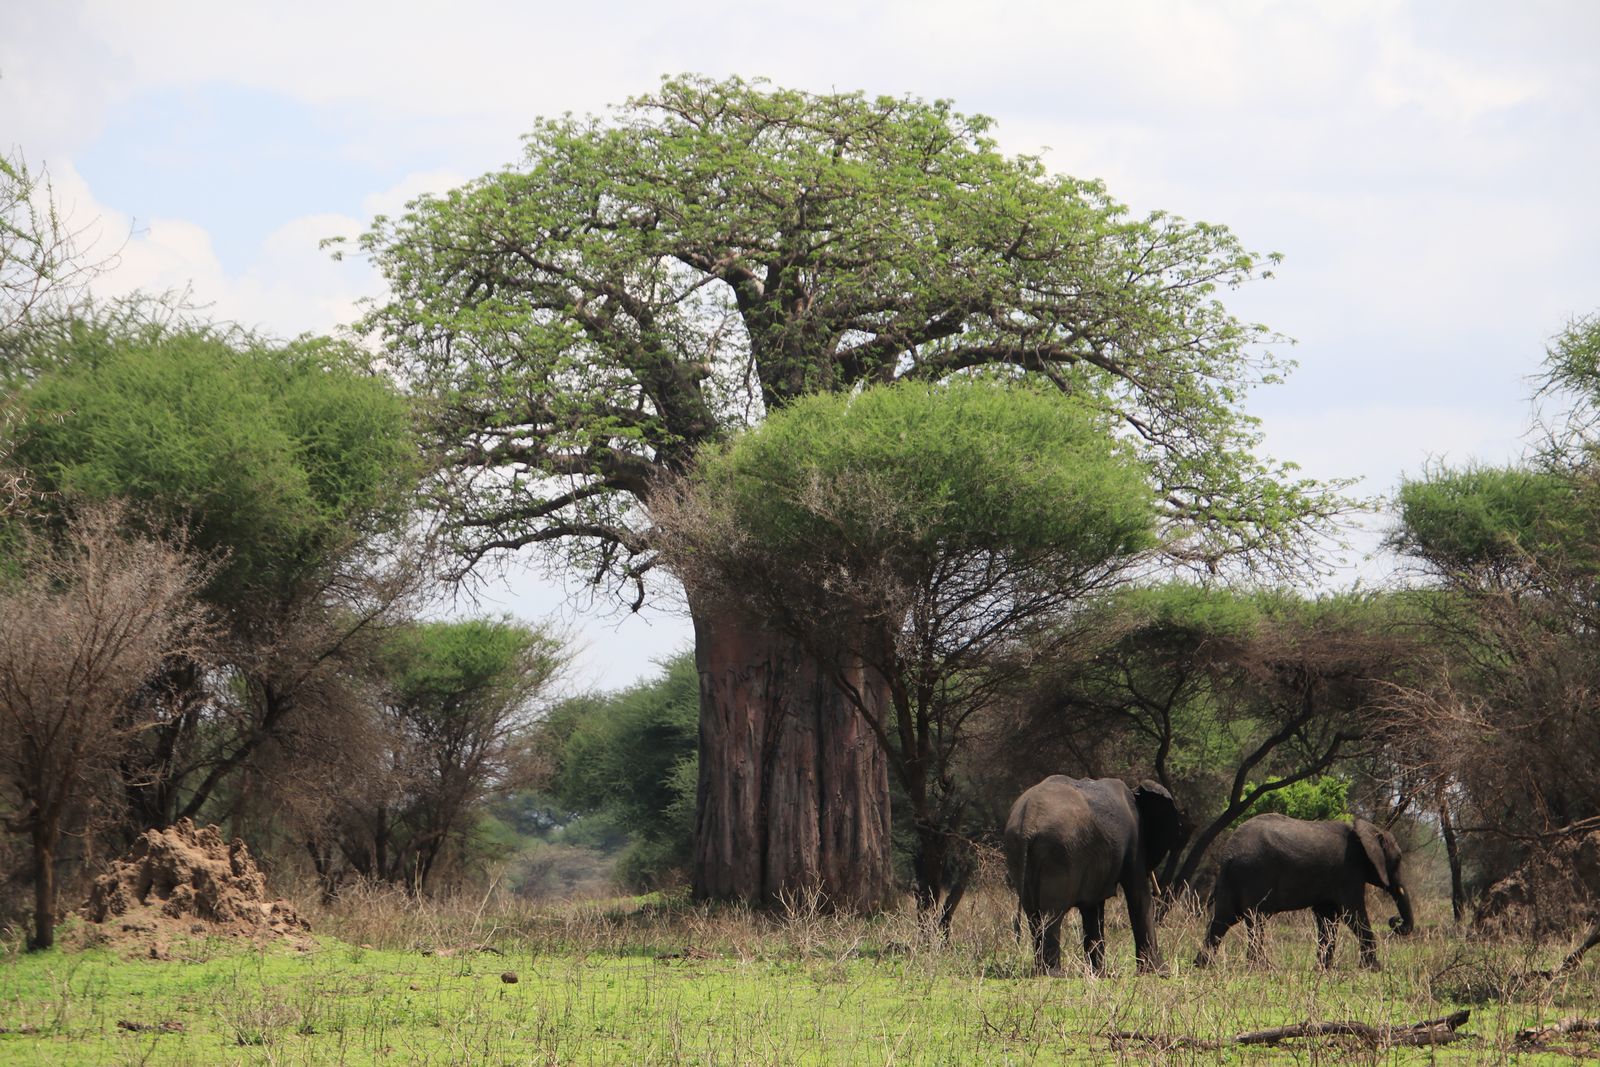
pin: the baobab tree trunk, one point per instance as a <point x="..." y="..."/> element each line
<point x="794" y="788"/>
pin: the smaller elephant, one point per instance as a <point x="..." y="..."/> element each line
<point x="1275" y="863"/>
<point x="1070" y="843"/>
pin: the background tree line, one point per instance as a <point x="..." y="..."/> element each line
<point x="211" y="597"/>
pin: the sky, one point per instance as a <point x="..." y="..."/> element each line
<point x="1427" y="170"/>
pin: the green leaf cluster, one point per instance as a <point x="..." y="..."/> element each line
<point x="1186" y="607"/>
<point x="275" y="457"/>
<point x="1315" y="799"/>
<point x="1484" y="515"/>
<point x="915" y="472"/>
<point x="1571" y="373"/>
<point x="643" y="283"/>
<point x="439" y="673"/>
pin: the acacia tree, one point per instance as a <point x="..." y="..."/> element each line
<point x="641" y="285"/>
<point x="291" y="464"/>
<point x="42" y="262"/>
<point x="42" y="269"/>
<point x="1227" y="697"/>
<point x="1505" y="728"/>
<point x="84" y="623"/>
<point x="1305" y="690"/>
<point x="915" y="538"/>
<point x="458" y="700"/>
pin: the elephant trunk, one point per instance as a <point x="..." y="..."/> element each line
<point x="1405" y="922"/>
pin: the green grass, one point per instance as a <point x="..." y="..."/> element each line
<point x="739" y="989"/>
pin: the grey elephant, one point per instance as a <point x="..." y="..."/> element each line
<point x="1070" y="843"/>
<point x="1275" y="863"/>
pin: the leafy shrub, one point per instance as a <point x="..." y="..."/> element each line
<point x="1310" y="798"/>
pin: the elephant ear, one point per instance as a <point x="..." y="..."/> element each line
<point x="1160" y="823"/>
<point x="1372" y="841"/>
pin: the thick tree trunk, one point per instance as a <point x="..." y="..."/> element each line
<point x="1176" y="876"/>
<point x="794" y="788"/>
<point x="1452" y="851"/>
<point x="929" y="869"/>
<point x="44" y="889"/>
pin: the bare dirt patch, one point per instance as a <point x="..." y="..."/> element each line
<point x="189" y="883"/>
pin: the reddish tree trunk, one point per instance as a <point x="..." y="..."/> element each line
<point x="794" y="788"/>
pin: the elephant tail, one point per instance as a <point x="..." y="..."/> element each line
<point x="1021" y="887"/>
<point x="1019" y="873"/>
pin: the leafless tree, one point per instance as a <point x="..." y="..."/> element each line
<point x="1508" y="568"/>
<point x="1505" y="731"/>
<point x="288" y="693"/>
<point x="42" y="256"/>
<point x="84" y="623"/>
<point x="384" y="782"/>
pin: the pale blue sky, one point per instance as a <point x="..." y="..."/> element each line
<point x="1427" y="168"/>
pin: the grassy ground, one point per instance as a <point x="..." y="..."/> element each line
<point x="649" y="983"/>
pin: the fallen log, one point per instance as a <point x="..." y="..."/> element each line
<point x="1439" y="1031"/>
<point x="1576" y="956"/>
<point x="1534" y="1035"/>
<point x="1428" y="1032"/>
<point x="1164" y="1042"/>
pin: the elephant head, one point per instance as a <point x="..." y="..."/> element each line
<point x="1162" y="827"/>
<point x="1383" y="852"/>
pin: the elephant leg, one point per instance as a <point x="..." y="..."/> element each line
<point x="1257" y="952"/>
<point x="1356" y="918"/>
<point x="1094" y="936"/>
<point x="1046" y="942"/>
<point x="1221" y="922"/>
<point x="1142" y="918"/>
<point x="1327" y="928"/>
<point x="1036" y="939"/>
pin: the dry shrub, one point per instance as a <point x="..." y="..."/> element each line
<point x="87" y="620"/>
<point x="1553" y="891"/>
<point x="1487" y="971"/>
<point x="554" y="872"/>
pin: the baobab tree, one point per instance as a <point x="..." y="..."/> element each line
<point x="643" y="284"/>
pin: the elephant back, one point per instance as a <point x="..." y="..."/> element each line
<point x="1066" y="830"/>
<point x="1055" y="810"/>
<point x="1282" y="863"/>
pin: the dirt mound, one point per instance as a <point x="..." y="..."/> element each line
<point x="187" y="882"/>
<point x="1550" y="893"/>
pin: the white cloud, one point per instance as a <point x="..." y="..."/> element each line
<point x="289" y="286"/>
<point x="1445" y="87"/>
<point x="413" y="58"/>
<point x="56" y="77"/>
<point x="392" y="201"/>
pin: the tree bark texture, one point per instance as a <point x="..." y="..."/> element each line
<point x="1452" y="851"/>
<point x="793" y="787"/>
<point x="44" y="889"/>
